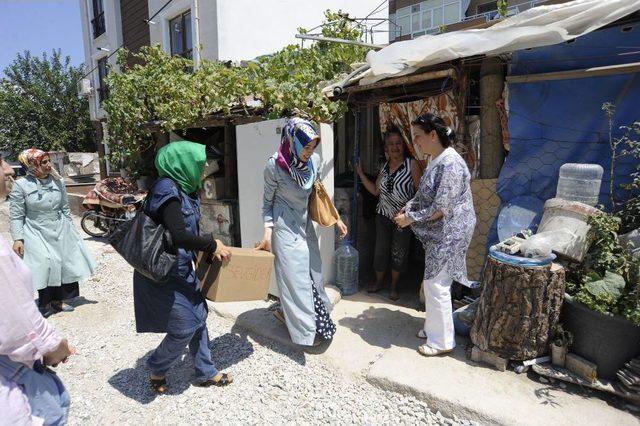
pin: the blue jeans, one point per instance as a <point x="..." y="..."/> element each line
<point x="47" y="396"/>
<point x="171" y="348"/>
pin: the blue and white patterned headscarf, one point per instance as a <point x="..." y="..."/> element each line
<point x="297" y="134"/>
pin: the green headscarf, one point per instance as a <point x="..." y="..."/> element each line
<point x="182" y="161"/>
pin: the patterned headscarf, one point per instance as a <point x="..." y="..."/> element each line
<point x="32" y="159"/>
<point x="297" y="134"/>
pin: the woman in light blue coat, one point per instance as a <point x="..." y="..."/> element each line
<point x="44" y="234"/>
<point x="289" y="233"/>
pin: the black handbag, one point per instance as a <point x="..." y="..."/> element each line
<point x="146" y="245"/>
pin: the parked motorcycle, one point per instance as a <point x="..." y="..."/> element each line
<point x="109" y="204"/>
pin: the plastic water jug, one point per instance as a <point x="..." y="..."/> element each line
<point x="580" y="182"/>
<point x="347" y="261"/>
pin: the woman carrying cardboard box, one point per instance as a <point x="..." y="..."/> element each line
<point x="177" y="307"/>
<point x="288" y="179"/>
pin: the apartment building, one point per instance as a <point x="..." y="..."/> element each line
<point x="413" y="18"/>
<point x="226" y="30"/>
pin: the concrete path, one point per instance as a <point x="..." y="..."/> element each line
<point x="376" y="339"/>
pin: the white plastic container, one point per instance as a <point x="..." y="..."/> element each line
<point x="580" y="182"/>
<point x="347" y="263"/>
<point x="568" y="220"/>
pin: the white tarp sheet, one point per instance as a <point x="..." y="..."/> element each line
<point x="539" y="26"/>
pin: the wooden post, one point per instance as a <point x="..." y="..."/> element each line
<point x="491" y="147"/>
<point x="230" y="160"/>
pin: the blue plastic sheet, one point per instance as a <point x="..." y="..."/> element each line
<point x="562" y="121"/>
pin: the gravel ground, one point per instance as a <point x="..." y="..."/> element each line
<point x="274" y="384"/>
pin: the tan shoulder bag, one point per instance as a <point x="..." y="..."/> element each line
<point x="321" y="208"/>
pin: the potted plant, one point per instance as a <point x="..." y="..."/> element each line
<point x="602" y="307"/>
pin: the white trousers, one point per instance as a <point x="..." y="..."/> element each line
<point x="438" y="324"/>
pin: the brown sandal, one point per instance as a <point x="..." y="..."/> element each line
<point x="224" y="380"/>
<point x="279" y="316"/>
<point x="159" y="386"/>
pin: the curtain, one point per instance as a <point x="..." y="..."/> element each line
<point x="402" y="114"/>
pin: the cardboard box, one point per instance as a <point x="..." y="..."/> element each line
<point x="245" y="277"/>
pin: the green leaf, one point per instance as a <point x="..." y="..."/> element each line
<point x="611" y="285"/>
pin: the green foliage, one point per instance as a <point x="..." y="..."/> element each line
<point x="40" y="106"/>
<point x="601" y="294"/>
<point x="631" y="147"/>
<point x="607" y="280"/>
<point x="166" y="90"/>
<point x="606" y="253"/>
<point x="503" y="6"/>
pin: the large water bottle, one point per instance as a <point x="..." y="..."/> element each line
<point x="580" y="182"/>
<point x="347" y="261"/>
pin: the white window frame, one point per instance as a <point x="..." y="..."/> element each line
<point x="417" y="11"/>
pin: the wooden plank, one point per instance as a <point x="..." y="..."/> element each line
<point x="565" y="375"/>
<point x="573" y="74"/>
<point x="399" y="81"/>
<point x="581" y="367"/>
<point x="478" y="355"/>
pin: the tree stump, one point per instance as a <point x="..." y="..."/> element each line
<point x="518" y="310"/>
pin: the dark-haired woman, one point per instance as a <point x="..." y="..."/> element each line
<point x="442" y="217"/>
<point x="395" y="186"/>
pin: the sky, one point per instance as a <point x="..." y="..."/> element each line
<point x="39" y="26"/>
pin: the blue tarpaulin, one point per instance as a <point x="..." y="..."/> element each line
<point x="562" y="121"/>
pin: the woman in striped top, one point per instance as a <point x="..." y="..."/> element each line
<point x="396" y="184"/>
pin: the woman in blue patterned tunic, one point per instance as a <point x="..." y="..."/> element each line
<point x="442" y="217"/>
<point x="288" y="179"/>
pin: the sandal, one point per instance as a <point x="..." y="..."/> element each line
<point x="374" y="288"/>
<point x="62" y="307"/>
<point x="421" y="334"/>
<point x="427" y="350"/>
<point x="47" y="311"/>
<point x="393" y="295"/>
<point x="159" y="386"/>
<point x="224" y="380"/>
<point x="279" y="316"/>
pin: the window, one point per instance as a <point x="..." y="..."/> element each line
<point x="427" y="17"/>
<point x="490" y="11"/>
<point x="180" y="31"/>
<point x="486" y="7"/>
<point x="393" y="31"/>
<point x="451" y="13"/>
<point x="103" y="91"/>
<point x="97" y="22"/>
<point x="403" y="21"/>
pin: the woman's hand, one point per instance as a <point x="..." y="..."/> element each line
<point x="222" y="252"/>
<point x="18" y="247"/>
<point x="358" y="169"/>
<point x="59" y="354"/>
<point x="342" y="229"/>
<point x="265" y="244"/>
<point x="436" y="216"/>
<point x="402" y="220"/>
